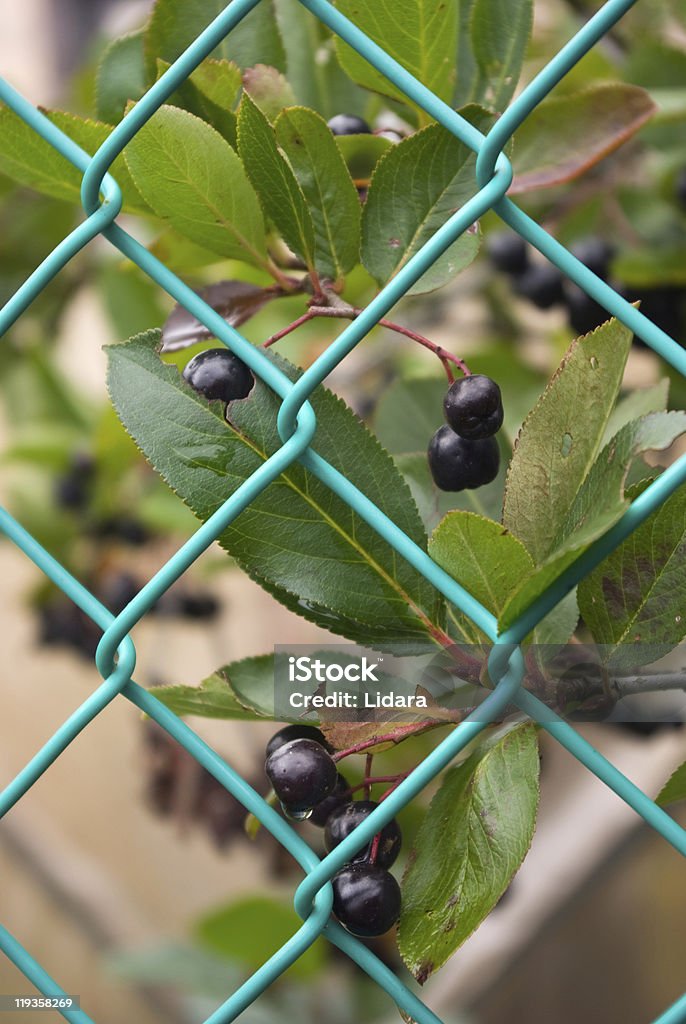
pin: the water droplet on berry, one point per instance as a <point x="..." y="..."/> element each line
<point x="297" y="815"/>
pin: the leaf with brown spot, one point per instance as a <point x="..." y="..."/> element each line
<point x="566" y="135"/>
<point x="461" y="867"/>
<point x="637" y="592"/>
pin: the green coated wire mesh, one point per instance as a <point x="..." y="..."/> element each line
<point x="297" y="426"/>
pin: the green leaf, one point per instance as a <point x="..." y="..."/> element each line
<point x="409" y="412"/>
<point x="243" y="690"/>
<point x="564" y="136"/>
<point x="253" y="929"/>
<point x="178" y="967"/>
<point x="557" y="446"/>
<point x="470" y="845"/>
<point x="633" y="602"/>
<point x="361" y="154"/>
<point x="596" y="503"/>
<point x="465" y="61"/>
<point x="132" y="300"/>
<point x="210" y="93"/>
<point x="297" y="539"/>
<point x="490" y="564"/>
<point x="179" y="254"/>
<point x="269" y="89"/>
<point x="500" y="31"/>
<point x="35" y="393"/>
<point x="327" y="186"/>
<point x="637" y="404"/>
<point x="416" y="188"/>
<point x="27" y="158"/>
<point x="599" y="503"/>
<point x="175" y="24"/>
<point x="193" y="179"/>
<point x="673" y="790"/>
<point x="481" y="555"/>
<point x="219" y="83"/>
<point x="120" y="78"/>
<point x="420" y="34"/>
<point x="655" y="264"/>
<point x="274" y="181"/>
<point x="312" y="66"/>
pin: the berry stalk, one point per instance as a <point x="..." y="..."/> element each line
<point x="447" y="359"/>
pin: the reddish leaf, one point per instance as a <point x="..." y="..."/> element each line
<point x="236" y="301"/>
<point x="566" y="135"/>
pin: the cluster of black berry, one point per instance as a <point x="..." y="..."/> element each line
<point x="464" y="454"/>
<point x="366" y="897"/>
<point x="73" y="491"/>
<point x="545" y="286"/>
<point x="63" y="624"/>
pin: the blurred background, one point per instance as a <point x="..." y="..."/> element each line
<point x="125" y="871"/>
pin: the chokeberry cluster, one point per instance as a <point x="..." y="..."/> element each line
<point x="464" y="453"/>
<point x="545" y="287"/>
<point x="303" y="774"/>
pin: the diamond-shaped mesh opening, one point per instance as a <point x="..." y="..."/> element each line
<point x="313" y="898"/>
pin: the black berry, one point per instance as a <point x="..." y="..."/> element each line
<point x="118" y="591"/>
<point x="637" y="727"/>
<point x="124" y="528"/>
<point x="71" y="493"/>
<point x="508" y="252"/>
<point x="322" y="811"/>
<point x="218" y="374"/>
<point x="347" y="817"/>
<point x="200" y="607"/>
<point x="349" y="124"/>
<point x="541" y="284"/>
<point x="63" y="624"/>
<point x="584" y="313"/>
<point x="72" y="490"/>
<point x="595" y="253"/>
<point x="160" y="792"/>
<point x="302" y="774"/>
<point x="366" y="899"/>
<point x="664" y="306"/>
<point x="474" y="407"/>
<point x="295" y="732"/>
<point x="458" y="464"/>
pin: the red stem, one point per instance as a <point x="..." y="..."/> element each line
<point x="390" y="737"/>
<point x="305" y="318"/>
<point x="351" y="313"/>
<point x="374" y="780"/>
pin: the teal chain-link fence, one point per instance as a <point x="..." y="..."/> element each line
<point x="297" y="425"/>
